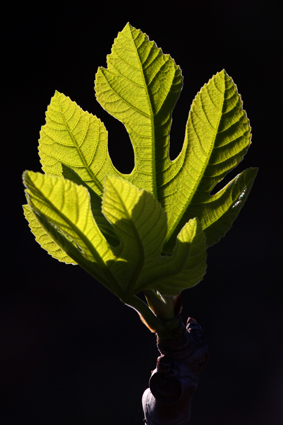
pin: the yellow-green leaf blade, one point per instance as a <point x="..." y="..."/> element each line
<point x="77" y="139"/>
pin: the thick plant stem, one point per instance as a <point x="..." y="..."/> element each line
<point x="172" y="384"/>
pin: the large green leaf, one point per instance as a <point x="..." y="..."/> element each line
<point x="140" y="87"/>
<point x="63" y="209"/>
<point x="121" y="227"/>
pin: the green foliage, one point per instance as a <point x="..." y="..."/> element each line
<point x="147" y="230"/>
<point x="140" y="223"/>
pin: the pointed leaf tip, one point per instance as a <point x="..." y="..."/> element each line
<point x="74" y="138"/>
<point x="140" y="87"/>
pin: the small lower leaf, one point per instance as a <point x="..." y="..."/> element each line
<point x="223" y="208"/>
<point x="140" y="223"/>
<point x="67" y="207"/>
<point x="185" y="268"/>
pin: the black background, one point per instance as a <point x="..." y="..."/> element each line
<point x="72" y="353"/>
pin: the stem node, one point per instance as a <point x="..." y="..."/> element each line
<point x="172" y="384"/>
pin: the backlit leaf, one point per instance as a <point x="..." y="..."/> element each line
<point x="148" y="229"/>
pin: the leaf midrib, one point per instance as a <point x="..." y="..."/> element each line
<point x="151" y="116"/>
<point x="87" y="167"/>
<point x="194" y="191"/>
